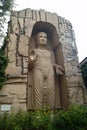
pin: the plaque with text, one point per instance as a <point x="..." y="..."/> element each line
<point x="5" y="107"/>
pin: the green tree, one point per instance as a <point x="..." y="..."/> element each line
<point x="3" y="65"/>
<point x="5" y="5"/>
<point x="84" y="73"/>
<point x="5" y="8"/>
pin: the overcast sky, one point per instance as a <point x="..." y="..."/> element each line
<point x="72" y="10"/>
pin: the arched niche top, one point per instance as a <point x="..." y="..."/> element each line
<point x="49" y="29"/>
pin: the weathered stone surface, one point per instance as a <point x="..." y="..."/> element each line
<point x="22" y="13"/>
<point x="76" y="95"/>
<point x="19" y="60"/>
<point x="42" y="15"/>
<point x="74" y="81"/>
<point x="25" y="71"/>
<point x="16" y="76"/>
<point x="33" y="14"/>
<point x="13" y="42"/>
<point x="29" y="13"/>
<point x="13" y="20"/>
<point x="52" y="18"/>
<point x="63" y="28"/>
<point x="12" y="56"/>
<point x="23" y="45"/>
<point x="29" y="23"/>
<point x="49" y="17"/>
<point x="25" y="62"/>
<point x="16" y="97"/>
<point x="55" y="21"/>
<point x="25" y="65"/>
<point x="7" y="100"/>
<point x="16" y="80"/>
<point x="15" y="29"/>
<point x="16" y="90"/>
<point x="21" y="25"/>
<point x="13" y="69"/>
<point x="16" y="107"/>
<point x="14" y="24"/>
<point x="69" y="69"/>
<point x="37" y="16"/>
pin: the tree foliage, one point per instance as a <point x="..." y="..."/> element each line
<point x="5" y="8"/>
<point x="5" y="5"/>
<point x="84" y="73"/>
<point x="3" y="64"/>
<point x="84" y="69"/>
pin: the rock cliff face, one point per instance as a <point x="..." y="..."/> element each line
<point x="13" y="96"/>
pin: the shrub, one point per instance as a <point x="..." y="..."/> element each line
<point x="42" y="120"/>
<point x="75" y="118"/>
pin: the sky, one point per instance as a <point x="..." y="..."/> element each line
<point x="72" y="10"/>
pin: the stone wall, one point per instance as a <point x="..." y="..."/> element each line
<point x="14" y="94"/>
<point x="71" y="63"/>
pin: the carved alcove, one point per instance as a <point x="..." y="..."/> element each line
<point x="55" y="47"/>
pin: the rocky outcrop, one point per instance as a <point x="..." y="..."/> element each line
<point x="20" y="29"/>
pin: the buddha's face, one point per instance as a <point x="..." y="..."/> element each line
<point x="41" y="38"/>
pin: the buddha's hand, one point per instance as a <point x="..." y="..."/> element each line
<point x="59" y="69"/>
<point x="32" y="56"/>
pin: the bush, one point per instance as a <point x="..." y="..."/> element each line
<point x="42" y="120"/>
<point x="75" y="118"/>
<point x="37" y="120"/>
<point x="18" y="121"/>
